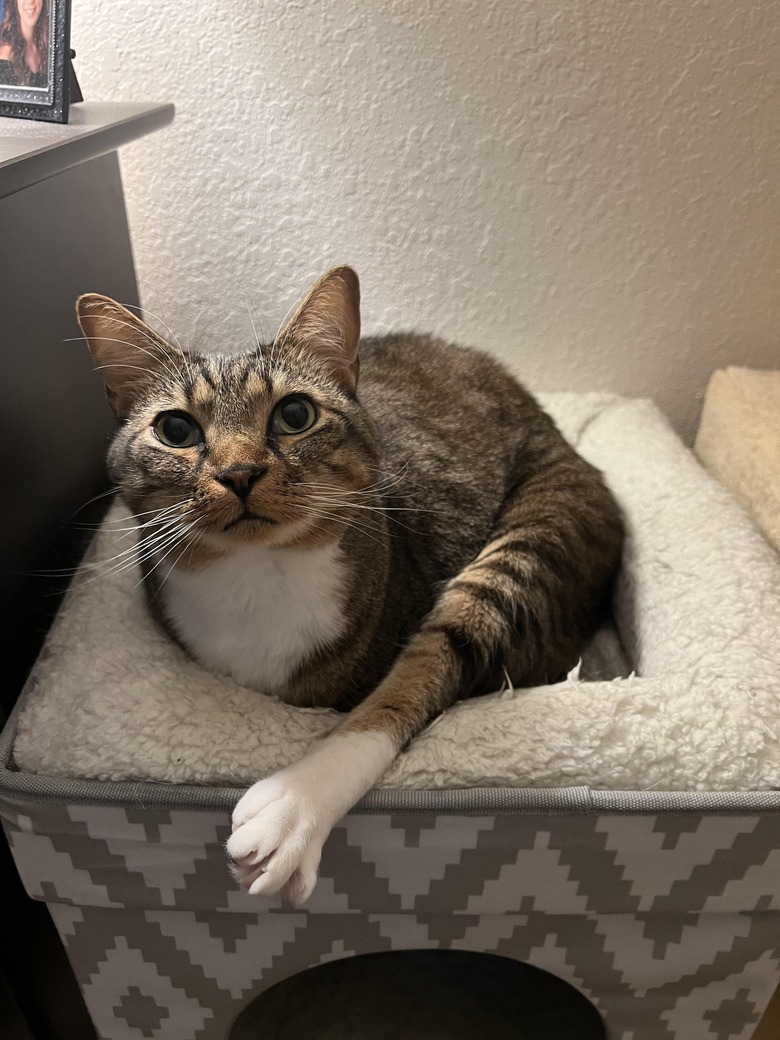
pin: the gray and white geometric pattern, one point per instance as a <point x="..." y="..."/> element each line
<point x="668" y="923"/>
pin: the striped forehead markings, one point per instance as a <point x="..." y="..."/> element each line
<point x="204" y="374"/>
<point x="262" y="379"/>
<point x="236" y="387"/>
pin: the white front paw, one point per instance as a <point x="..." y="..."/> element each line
<point x="277" y="840"/>
<point x="281" y="823"/>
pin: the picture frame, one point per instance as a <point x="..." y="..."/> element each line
<point x="35" y="57"/>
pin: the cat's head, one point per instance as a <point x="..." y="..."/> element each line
<point x="261" y="447"/>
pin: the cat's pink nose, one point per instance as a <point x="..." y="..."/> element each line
<point x="240" y="478"/>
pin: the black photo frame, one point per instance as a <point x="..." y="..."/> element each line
<point x="42" y="92"/>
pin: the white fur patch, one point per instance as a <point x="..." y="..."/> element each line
<point x="258" y="613"/>
<point x="281" y="823"/>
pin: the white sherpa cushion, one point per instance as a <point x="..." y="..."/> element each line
<point x="697" y="611"/>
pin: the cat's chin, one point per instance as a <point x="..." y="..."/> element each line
<point x="266" y="533"/>
<point x="247" y="530"/>
<point x="251" y="522"/>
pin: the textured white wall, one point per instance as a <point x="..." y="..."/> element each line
<point x="588" y="188"/>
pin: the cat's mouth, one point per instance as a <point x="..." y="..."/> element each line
<point x="248" y="517"/>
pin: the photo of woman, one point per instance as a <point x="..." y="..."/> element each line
<point x="24" y="43"/>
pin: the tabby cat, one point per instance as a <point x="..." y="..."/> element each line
<point x="381" y="545"/>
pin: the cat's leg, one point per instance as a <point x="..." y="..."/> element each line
<point x="522" y="602"/>
<point x="281" y="823"/>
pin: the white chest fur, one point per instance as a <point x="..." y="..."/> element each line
<point x="258" y="613"/>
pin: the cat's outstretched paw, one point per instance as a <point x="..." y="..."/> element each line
<point x="277" y="840"/>
<point x="281" y="823"/>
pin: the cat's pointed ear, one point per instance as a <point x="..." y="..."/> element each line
<point x="126" y="351"/>
<point x="327" y="323"/>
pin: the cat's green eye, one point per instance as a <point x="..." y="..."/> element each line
<point x="295" y="414"/>
<point x="177" y="430"/>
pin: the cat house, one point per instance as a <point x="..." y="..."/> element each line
<point x="619" y="829"/>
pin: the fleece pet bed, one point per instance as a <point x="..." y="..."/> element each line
<point x="683" y="694"/>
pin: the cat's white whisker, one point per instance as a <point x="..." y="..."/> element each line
<point x="149" y="544"/>
<point x="336" y="518"/>
<point x="376" y="490"/>
<point x="169" y="547"/>
<point x="133" y="557"/>
<point x="250" y="310"/>
<point x="109" y="339"/>
<point x="382" y="511"/>
<point x="283" y="324"/>
<point x="159" y="511"/>
<point x="143" y="547"/>
<point x="85" y="505"/>
<point x="159" y="353"/>
<point x="158" y="530"/>
<point x="189" y="547"/>
<point x="346" y="504"/>
<point x="168" y="523"/>
<point x="160" y="549"/>
<point x="158" y="516"/>
<point x="114" y="364"/>
<point x="144" y="311"/>
<point x="158" y="345"/>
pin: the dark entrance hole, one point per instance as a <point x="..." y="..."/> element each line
<point x="421" y="995"/>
